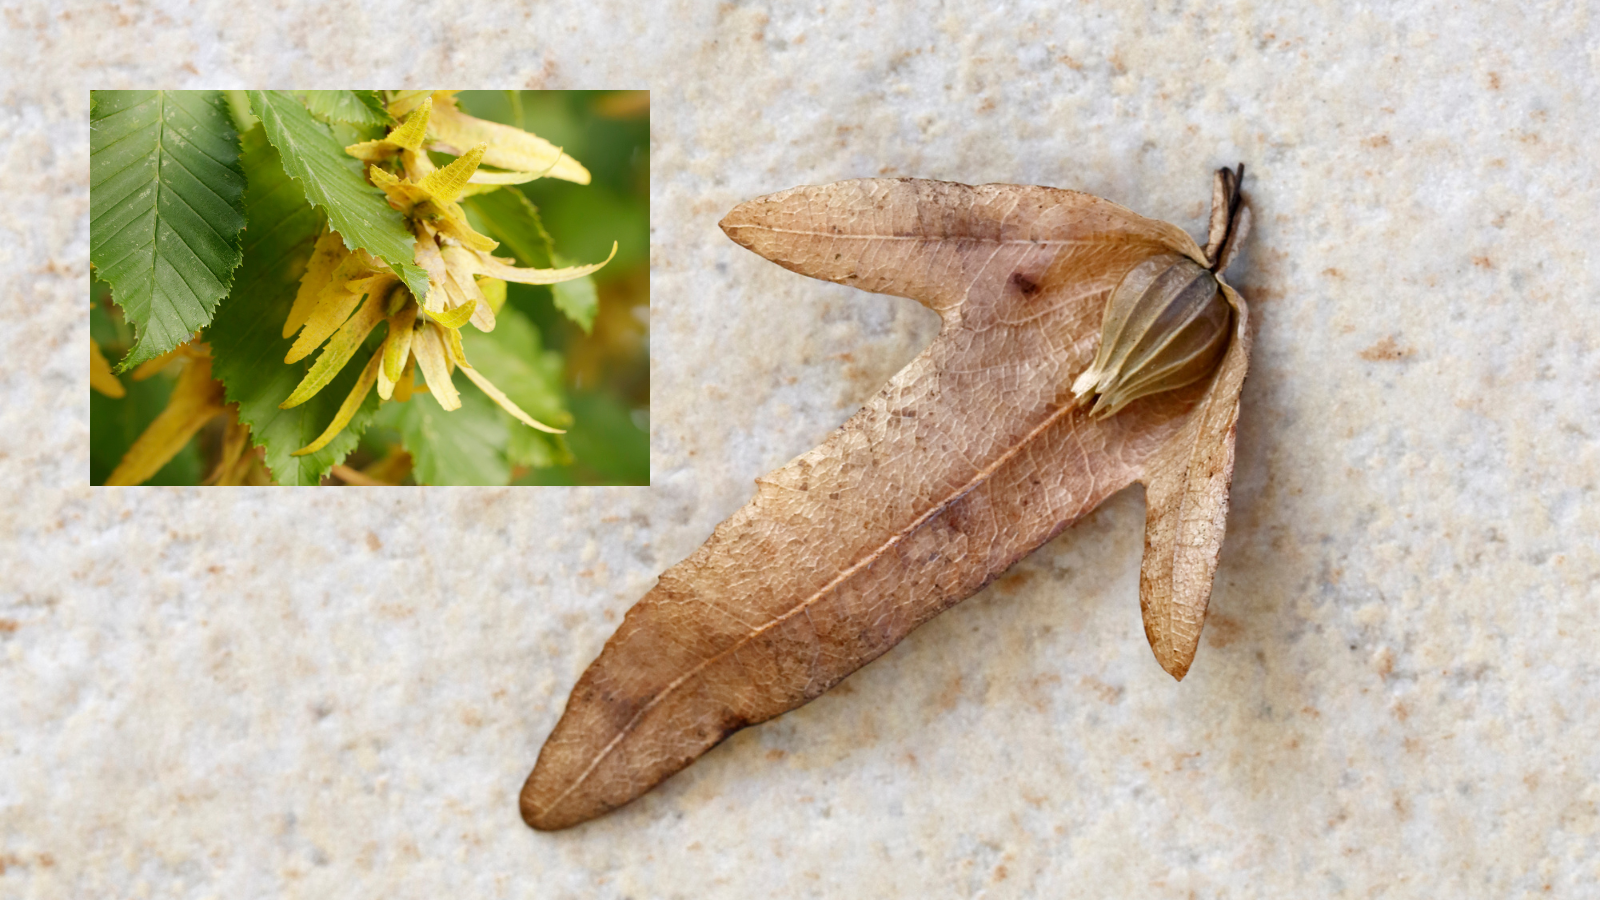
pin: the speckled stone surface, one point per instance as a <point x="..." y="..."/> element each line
<point x="318" y="693"/>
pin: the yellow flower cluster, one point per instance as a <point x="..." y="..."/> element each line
<point x="344" y="294"/>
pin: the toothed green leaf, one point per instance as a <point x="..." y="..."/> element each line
<point x="509" y="217"/>
<point x="460" y="447"/>
<point x="355" y="107"/>
<point x="247" y="342"/>
<point x="335" y="183"/>
<point x="165" y="199"/>
<point x="577" y="299"/>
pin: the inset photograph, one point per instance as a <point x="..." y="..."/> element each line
<point x="368" y="287"/>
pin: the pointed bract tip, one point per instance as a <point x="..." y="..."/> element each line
<point x="1175" y="661"/>
<point x="737" y="218"/>
<point x="530" y="815"/>
<point x="542" y="820"/>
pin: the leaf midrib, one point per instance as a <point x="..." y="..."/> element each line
<point x="934" y="238"/>
<point x="805" y="605"/>
<point x="155" y="220"/>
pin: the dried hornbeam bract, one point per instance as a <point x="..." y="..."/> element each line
<point x="1083" y="348"/>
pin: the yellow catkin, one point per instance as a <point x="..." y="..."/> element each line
<point x="345" y="342"/>
<point x="195" y="400"/>
<point x="325" y="258"/>
<point x="433" y="360"/>
<point x="347" y="409"/>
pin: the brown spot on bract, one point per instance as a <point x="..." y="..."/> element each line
<point x="1376" y="141"/>
<point x="9" y="626"/>
<point x="1386" y="350"/>
<point x="775" y="754"/>
<point x="1023" y="283"/>
<point x="1483" y="262"/>
<point x="1494" y="81"/>
<point x="373" y="543"/>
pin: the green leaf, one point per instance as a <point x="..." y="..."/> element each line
<point x="355" y="107"/>
<point x="610" y="443"/>
<point x="511" y="358"/>
<point x="613" y="439"/>
<point x="164" y="200"/>
<point x="345" y="133"/>
<point x="239" y="109"/>
<point x="577" y="299"/>
<point x="530" y="449"/>
<point x="463" y="446"/>
<point x="334" y="181"/>
<point x="247" y="341"/>
<point x="511" y="218"/>
<point x="105" y="326"/>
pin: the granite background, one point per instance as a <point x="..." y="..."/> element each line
<point x="317" y="693"/>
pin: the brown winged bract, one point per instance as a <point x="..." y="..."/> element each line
<point x="970" y="457"/>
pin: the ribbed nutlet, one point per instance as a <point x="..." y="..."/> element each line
<point x="1166" y="326"/>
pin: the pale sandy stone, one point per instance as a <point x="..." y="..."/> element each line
<point x="331" y="693"/>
